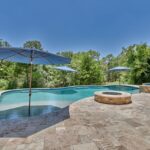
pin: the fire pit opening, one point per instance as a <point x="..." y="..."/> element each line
<point x="112" y="93"/>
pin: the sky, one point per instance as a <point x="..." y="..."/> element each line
<point x="77" y="25"/>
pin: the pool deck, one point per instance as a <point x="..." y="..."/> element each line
<point x="84" y="125"/>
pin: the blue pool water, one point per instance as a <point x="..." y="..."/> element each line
<point x="13" y="104"/>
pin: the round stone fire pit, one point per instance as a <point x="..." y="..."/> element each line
<point x="112" y="97"/>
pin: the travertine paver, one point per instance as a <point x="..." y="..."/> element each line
<point x="85" y="125"/>
<point x="87" y="146"/>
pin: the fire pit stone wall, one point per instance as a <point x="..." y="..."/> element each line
<point x="116" y="98"/>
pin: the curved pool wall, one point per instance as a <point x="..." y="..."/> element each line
<point x="14" y="103"/>
<point x="130" y="88"/>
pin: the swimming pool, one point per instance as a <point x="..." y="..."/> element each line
<point x="13" y="104"/>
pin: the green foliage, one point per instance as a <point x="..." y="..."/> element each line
<point x="37" y="80"/>
<point x="12" y="84"/>
<point x="90" y="68"/>
<point x="33" y="44"/>
<point x="137" y="57"/>
<point x="68" y="54"/>
<point x="109" y="62"/>
<point x="3" y="84"/>
<point x="4" y="43"/>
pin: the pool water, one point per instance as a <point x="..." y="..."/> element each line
<point x="14" y="104"/>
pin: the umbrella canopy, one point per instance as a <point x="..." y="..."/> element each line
<point x="22" y="55"/>
<point x="65" y="68"/>
<point x="119" y="69"/>
<point x="31" y="56"/>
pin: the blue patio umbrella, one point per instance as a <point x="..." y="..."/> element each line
<point x="119" y="69"/>
<point x="31" y="56"/>
<point x="65" y="68"/>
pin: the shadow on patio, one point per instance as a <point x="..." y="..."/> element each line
<point x="27" y="126"/>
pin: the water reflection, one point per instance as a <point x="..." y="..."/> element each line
<point x="63" y="92"/>
<point x="21" y="112"/>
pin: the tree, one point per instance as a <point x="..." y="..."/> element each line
<point x="4" y="43"/>
<point x="137" y="58"/>
<point x="68" y="54"/>
<point x="90" y="68"/>
<point x="33" y="44"/>
<point x="6" y="68"/>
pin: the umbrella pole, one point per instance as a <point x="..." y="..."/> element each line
<point x="119" y="78"/>
<point x="30" y="87"/>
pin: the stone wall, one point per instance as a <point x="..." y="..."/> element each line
<point x="124" y="98"/>
<point x="145" y="88"/>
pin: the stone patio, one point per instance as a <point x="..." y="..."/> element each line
<point x="84" y="125"/>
